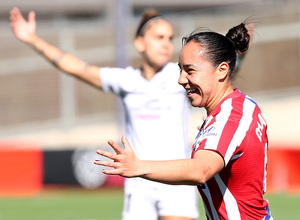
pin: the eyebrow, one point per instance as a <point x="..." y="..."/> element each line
<point x="187" y="65"/>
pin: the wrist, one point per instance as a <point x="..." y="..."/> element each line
<point x="143" y="170"/>
<point x="33" y="41"/>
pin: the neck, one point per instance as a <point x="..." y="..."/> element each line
<point x="218" y="98"/>
<point x="149" y="72"/>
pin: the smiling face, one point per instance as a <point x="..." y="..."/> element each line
<point x="203" y="82"/>
<point x="156" y="44"/>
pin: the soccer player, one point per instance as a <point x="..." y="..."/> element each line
<point x="156" y="110"/>
<point x="228" y="162"/>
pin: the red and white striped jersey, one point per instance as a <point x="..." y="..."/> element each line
<point x="236" y="130"/>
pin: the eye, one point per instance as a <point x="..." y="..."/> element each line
<point x="179" y="67"/>
<point x="190" y="70"/>
<point x="160" y="37"/>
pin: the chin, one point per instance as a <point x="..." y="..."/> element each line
<point x="195" y="104"/>
<point x="164" y="63"/>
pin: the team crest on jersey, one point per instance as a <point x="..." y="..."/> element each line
<point x="209" y="131"/>
<point x="204" y="133"/>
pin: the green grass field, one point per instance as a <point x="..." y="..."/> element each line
<point x="106" y="204"/>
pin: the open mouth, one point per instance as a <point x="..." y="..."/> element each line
<point x="191" y="91"/>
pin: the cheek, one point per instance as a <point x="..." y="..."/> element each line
<point x="171" y="47"/>
<point x="152" y="49"/>
<point x="197" y="80"/>
<point x="150" y="53"/>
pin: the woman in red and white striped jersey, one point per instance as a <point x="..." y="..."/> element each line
<point x="228" y="163"/>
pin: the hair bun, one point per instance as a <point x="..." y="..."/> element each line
<point x="240" y="38"/>
<point x="150" y="13"/>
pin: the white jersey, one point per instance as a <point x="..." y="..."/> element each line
<point x="156" y="111"/>
<point x="156" y="125"/>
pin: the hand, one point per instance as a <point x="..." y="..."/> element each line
<point x="203" y="118"/>
<point x="23" y="30"/>
<point x="125" y="162"/>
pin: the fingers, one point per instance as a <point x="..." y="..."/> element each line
<point x="116" y="147"/>
<point x="110" y="155"/>
<point x="108" y="164"/>
<point x="126" y="143"/>
<point x="12" y="16"/>
<point x="112" y="172"/>
<point x="107" y="154"/>
<point x="122" y="161"/>
<point x="15" y="14"/>
<point x="15" y="17"/>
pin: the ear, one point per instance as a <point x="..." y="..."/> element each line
<point x="139" y="44"/>
<point x="223" y="70"/>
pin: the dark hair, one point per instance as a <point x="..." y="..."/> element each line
<point x="148" y="16"/>
<point x="219" y="48"/>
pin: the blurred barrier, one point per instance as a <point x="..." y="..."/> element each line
<point x="76" y="167"/>
<point x="25" y="168"/>
<point x="20" y="168"/>
<point x="283" y="169"/>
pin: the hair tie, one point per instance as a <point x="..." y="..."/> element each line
<point x="233" y="43"/>
<point x="148" y="23"/>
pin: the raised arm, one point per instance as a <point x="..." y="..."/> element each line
<point x="194" y="171"/>
<point x="25" y="31"/>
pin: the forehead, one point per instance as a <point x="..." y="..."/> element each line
<point x="191" y="51"/>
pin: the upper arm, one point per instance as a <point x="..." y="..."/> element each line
<point x="92" y="76"/>
<point x="208" y="163"/>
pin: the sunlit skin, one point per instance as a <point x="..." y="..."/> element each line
<point x="156" y="47"/>
<point x="206" y="85"/>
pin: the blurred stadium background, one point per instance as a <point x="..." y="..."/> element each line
<point x="49" y="120"/>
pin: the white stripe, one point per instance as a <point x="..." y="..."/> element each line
<point x="221" y="120"/>
<point x="231" y="205"/>
<point x="271" y="218"/>
<point x="244" y="124"/>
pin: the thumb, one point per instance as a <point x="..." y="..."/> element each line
<point x="31" y="17"/>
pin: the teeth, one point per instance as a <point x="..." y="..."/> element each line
<point x="191" y="90"/>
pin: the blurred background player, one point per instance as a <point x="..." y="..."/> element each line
<point x="155" y="105"/>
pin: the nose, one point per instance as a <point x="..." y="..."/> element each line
<point x="168" y="43"/>
<point x="182" y="78"/>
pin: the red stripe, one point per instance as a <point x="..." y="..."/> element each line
<point x="230" y="126"/>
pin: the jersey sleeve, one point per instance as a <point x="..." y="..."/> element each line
<point x="225" y="131"/>
<point x="114" y="80"/>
